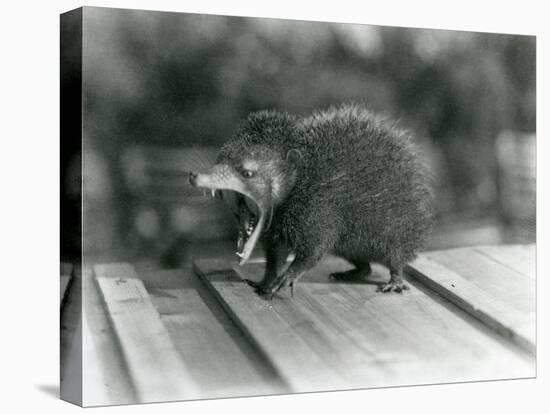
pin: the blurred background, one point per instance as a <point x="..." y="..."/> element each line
<point x="163" y="91"/>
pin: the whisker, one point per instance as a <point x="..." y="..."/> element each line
<point x="199" y="159"/>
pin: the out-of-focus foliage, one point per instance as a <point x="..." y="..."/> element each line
<point x="169" y="79"/>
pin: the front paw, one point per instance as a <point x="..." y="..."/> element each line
<point x="253" y="283"/>
<point x="270" y="288"/>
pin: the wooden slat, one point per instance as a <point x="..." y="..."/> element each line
<point x="301" y="369"/>
<point x="521" y="258"/>
<point x="106" y="380"/>
<point x="217" y="359"/>
<point x="493" y="278"/>
<point x="516" y="326"/>
<point x="71" y="370"/>
<point x="347" y="335"/>
<point x="94" y="389"/>
<point x="64" y="287"/>
<point x="65" y="281"/>
<point x="156" y="369"/>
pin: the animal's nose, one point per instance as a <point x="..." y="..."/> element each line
<point x="193" y="178"/>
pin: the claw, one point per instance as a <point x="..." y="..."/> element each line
<point x="253" y="283"/>
<point x="265" y="293"/>
<point x="269" y="290"/>
<point x="397" y="287"/>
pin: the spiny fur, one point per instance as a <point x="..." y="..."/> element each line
<point x="359" y="191"/>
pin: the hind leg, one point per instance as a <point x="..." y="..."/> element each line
<point x="362" y="271"/>
<point x="396" y="283"/>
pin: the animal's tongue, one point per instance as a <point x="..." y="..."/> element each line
<point x="250" y="228"/>
<point x="241" y="241"/>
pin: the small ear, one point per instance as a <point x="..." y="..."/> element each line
<point x="294" y="156"/>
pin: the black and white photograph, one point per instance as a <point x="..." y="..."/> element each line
<point x="254" y="206"/>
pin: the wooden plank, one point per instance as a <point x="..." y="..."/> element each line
<point x="71" y="372"/>
<point x="516" y="326"/>
<point x="300" y="368"/>
<point x="64" y="285"/>
<point x="156" y="369"/>
<point x="411" y="338"/>
<point x="219" y="357"/>
<point x="106" y="380"/>
<point x="66" y="271"/>
<point x="348" y="335"/>
<point x="94" y="389"/>
<point x="222" y="365"/>
<point x="492" y="277"/>
<point x="521" y="258"/>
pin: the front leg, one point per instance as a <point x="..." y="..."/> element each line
<point x="276" y="255"/>
<point x="314" y="233"/>
<point x="300" y="265"/>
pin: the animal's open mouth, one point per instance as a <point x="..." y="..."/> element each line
<point x="247" y="217"/>
<point x="251" y="219"/>
<point x="251" y="214"/>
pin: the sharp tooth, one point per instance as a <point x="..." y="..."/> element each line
<point x="213" y="193"/>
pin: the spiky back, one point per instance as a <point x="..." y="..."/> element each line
<point x="366" y="170"/>
<point x="275" y="131"/>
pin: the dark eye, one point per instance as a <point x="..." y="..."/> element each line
<point x="247" y="173"/>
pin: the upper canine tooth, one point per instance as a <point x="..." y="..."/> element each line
<point x="213" y="193"/>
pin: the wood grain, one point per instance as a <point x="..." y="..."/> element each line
<point x="301" y="369"/>
<point x="106" y="380"/>
<point x="71" y="369"/>
<point x="219" y="357"/>
<point x="492" y="277"/>
<point x="521" y="258"/>
<point x="216" y="361"/>
<point x="156" y="369"/>
<point x="491" y="309"/>
<point x="347" y="335"/>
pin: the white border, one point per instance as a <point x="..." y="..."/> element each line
<point x="30" y="223"/>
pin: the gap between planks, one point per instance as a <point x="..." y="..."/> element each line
<point x="155" y="366"/>
<point x="301" y="369"/>
<point x="340" y="336"/>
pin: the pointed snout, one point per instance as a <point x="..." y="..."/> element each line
<point x="212" y="178"/>
<point x="193" y="178"/>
